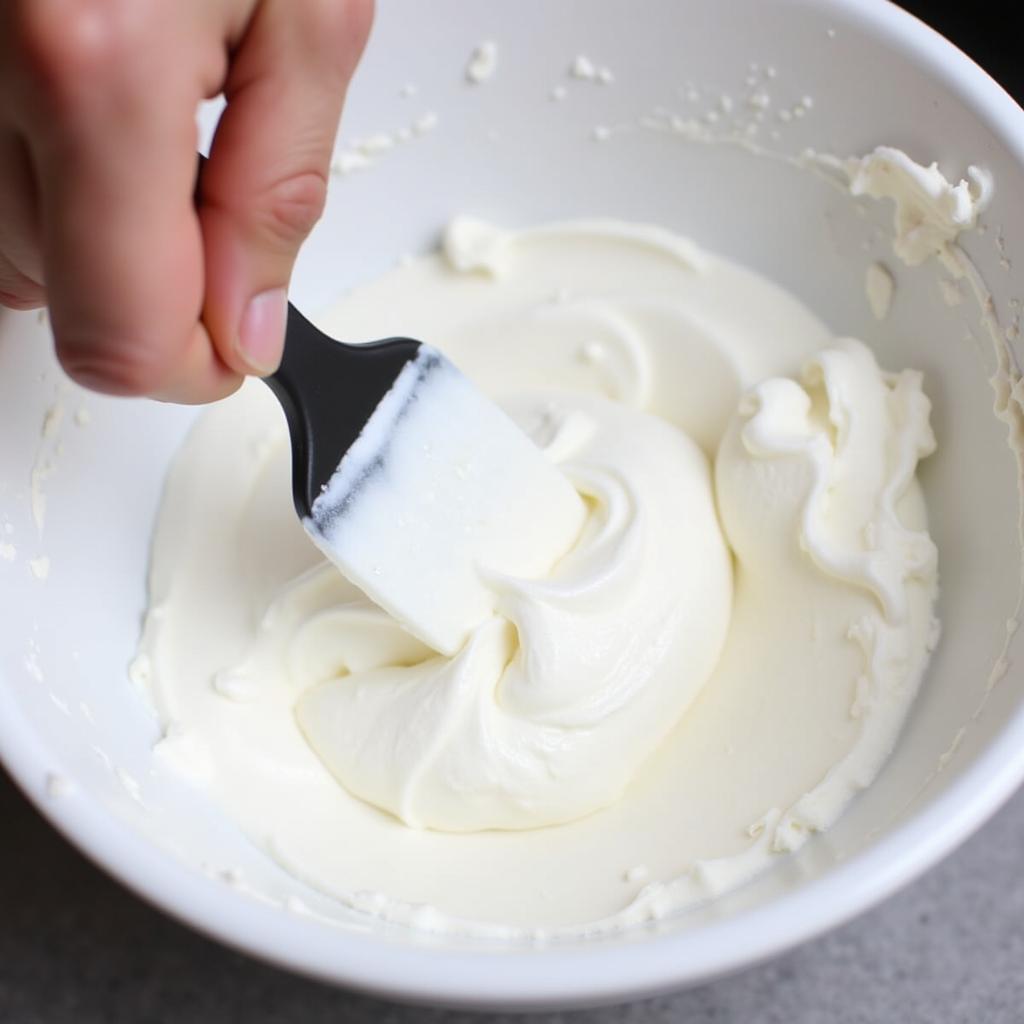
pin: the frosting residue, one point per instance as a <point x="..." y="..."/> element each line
<point x="930" y="211"/>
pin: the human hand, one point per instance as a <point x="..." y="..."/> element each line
<point x="148" y="294"/>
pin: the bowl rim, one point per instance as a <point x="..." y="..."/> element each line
<point x="384" y="966"/>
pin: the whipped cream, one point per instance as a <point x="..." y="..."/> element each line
<point x="930" y="212"/>
<point x="602" y="655"/>
<point x="483" y="63"/>
<point x="688" y="691"/>
<point x="879" y="287"/>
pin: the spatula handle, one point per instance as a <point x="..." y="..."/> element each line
<point x="328" y="391"/>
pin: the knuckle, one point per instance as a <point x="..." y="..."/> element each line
<point x="335" y="32"/>
<point x="347" y="18"/>
<point x="360" y="14"/>
<point x="293" y="206"/>
<point x="20" y="301"/>
<point x="117" y="367"/>
<point x="18" y="291"/>
<point x="71" y="49"/>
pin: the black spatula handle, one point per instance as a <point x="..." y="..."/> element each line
<point x="328" y="391"/>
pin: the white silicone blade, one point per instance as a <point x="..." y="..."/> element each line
<point x="440" y="489"/>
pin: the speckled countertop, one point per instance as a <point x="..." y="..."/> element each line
<point x="76" y="948"/>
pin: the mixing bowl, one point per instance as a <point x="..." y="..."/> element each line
<point x="80" y="476"/>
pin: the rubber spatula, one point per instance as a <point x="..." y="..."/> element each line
<point x="414" y="483"/>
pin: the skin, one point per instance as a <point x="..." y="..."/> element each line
<point x="150" y="294"/>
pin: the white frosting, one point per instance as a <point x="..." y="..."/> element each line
<point x="633" y="358"/>
<point x="843" y="447"/>
<point x="930" y="211"/>
<point x="483" y="63"/>
<point x="583" y="67"/>
<point x="604" y="654"/>
<point x="879" y="286"/>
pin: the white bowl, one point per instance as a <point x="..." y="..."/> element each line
<point x="505" y="150"/>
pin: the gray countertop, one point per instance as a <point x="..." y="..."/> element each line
<point x="77" y="948"/>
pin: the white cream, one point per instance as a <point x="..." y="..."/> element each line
<point x="602" y="655"/>
<point x="930" y="212"/>
<point x="603" y="699"/>
<point x="879" y="287"/>
<point x="583" y="67"/>
<point x="483" y="63"/>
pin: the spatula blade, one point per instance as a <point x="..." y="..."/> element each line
<point x="440" y="490"/>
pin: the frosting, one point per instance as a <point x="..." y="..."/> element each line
<point x="930" y="212"/>
<point x="688" y="691"/>
<point x="602" y="655"/>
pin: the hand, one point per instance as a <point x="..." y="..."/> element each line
<point x="149" y="295"/>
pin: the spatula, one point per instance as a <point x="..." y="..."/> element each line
<point x="414" y="483"/>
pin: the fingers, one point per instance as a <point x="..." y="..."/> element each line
<point x="16" y="290"/>
<point x="265" y="184"/>
<point x="122" y="248"/>
<point x="21" y="273"/>
<point x="124" y="269"/>
<point x="97" y="160"/>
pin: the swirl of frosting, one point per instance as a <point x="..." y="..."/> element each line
<point x="817" y="491"/>
<point x="553" y="704"/>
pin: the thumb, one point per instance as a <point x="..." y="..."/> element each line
<point x="265" y="184"/>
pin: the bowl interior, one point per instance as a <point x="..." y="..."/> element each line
<point x="80" y="476"/>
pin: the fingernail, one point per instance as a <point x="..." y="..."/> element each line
<point x="261" y="332"/>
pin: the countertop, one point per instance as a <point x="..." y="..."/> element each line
<point x="75" y="947"/>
